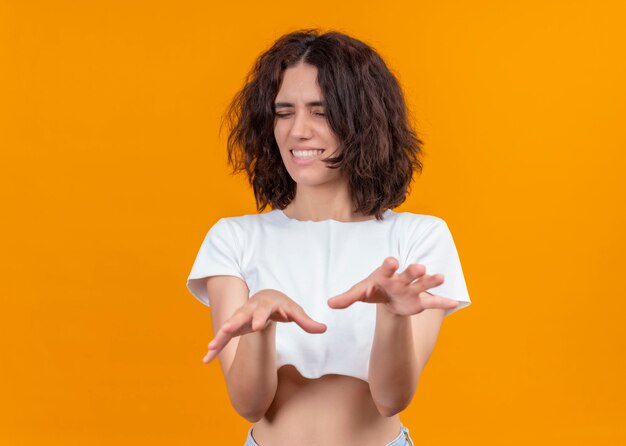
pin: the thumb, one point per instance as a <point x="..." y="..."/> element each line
<point x="354" y="294"/>
<point x="306" y="323"/>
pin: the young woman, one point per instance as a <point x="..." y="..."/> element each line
<point x="323" y="311"/>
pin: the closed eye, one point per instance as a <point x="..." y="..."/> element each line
<point x="286" y="115"/>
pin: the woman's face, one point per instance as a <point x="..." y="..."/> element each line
<point x="301" y="129"/>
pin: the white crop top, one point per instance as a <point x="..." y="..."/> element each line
<point x="311" y="261"/>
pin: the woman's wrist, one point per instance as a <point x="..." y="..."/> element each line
<point x="382" y="310"/>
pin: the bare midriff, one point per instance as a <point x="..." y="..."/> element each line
<point x="330" y="410"/>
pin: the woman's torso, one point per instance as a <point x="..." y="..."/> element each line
<point x="332" y="409"/>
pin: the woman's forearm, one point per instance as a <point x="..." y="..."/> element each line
<point x="252" y="378"/>
<point x="393" y="370"/>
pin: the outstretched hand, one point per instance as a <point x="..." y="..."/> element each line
<point x="403" y="294"/>
<point x="257" y="314"/>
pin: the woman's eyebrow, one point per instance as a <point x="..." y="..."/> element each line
<point x="308" y="104"/>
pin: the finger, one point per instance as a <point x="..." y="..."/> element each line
<point x="303" y="320"/>
<point x="284" y="317"/>
<point x="221" y="339"/>
<point x="357" y="293"/>
<point x="225" y="333"/>
<point x="260" y="317"/>
<point x="412" y="272"/>
<point x="241" y="317"/>
<point x="433" y="301"/>
<point x="210" y="356"/>
<point x="389" y="267"/>
<point x="426" y="282"/>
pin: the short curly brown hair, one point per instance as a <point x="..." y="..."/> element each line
<point x="365" y="108"/>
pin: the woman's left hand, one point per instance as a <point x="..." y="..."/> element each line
<point x="403" y="294"/>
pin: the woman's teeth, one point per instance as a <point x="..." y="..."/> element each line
<point x="306" y="153"/>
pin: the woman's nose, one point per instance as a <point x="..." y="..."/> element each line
<point x="301" y="126"/>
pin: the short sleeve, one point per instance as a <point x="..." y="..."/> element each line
<point x="435" y="249"/>
<point x="219" y="255"/>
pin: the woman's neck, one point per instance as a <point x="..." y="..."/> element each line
<point x="330" y="201"/>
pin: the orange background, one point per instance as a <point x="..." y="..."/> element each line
<point x="112" y="171"/>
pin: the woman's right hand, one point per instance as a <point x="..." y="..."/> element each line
<point x="257" y="314"/>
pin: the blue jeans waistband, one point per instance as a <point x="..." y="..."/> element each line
<point x="403" y="438"/>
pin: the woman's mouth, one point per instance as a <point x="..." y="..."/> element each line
<point x="307" y="154"/>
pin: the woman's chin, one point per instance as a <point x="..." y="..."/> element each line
<point x="313" y="180"/>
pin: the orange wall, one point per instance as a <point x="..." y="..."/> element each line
<point x="112" y="171"/>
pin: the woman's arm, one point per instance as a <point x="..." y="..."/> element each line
<point x="405" y="333"/>
<point x="248" y="361"/>
<point x="246" y="340"/>
<point x="252" y="378"/>
<point x="402" y="346"/>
